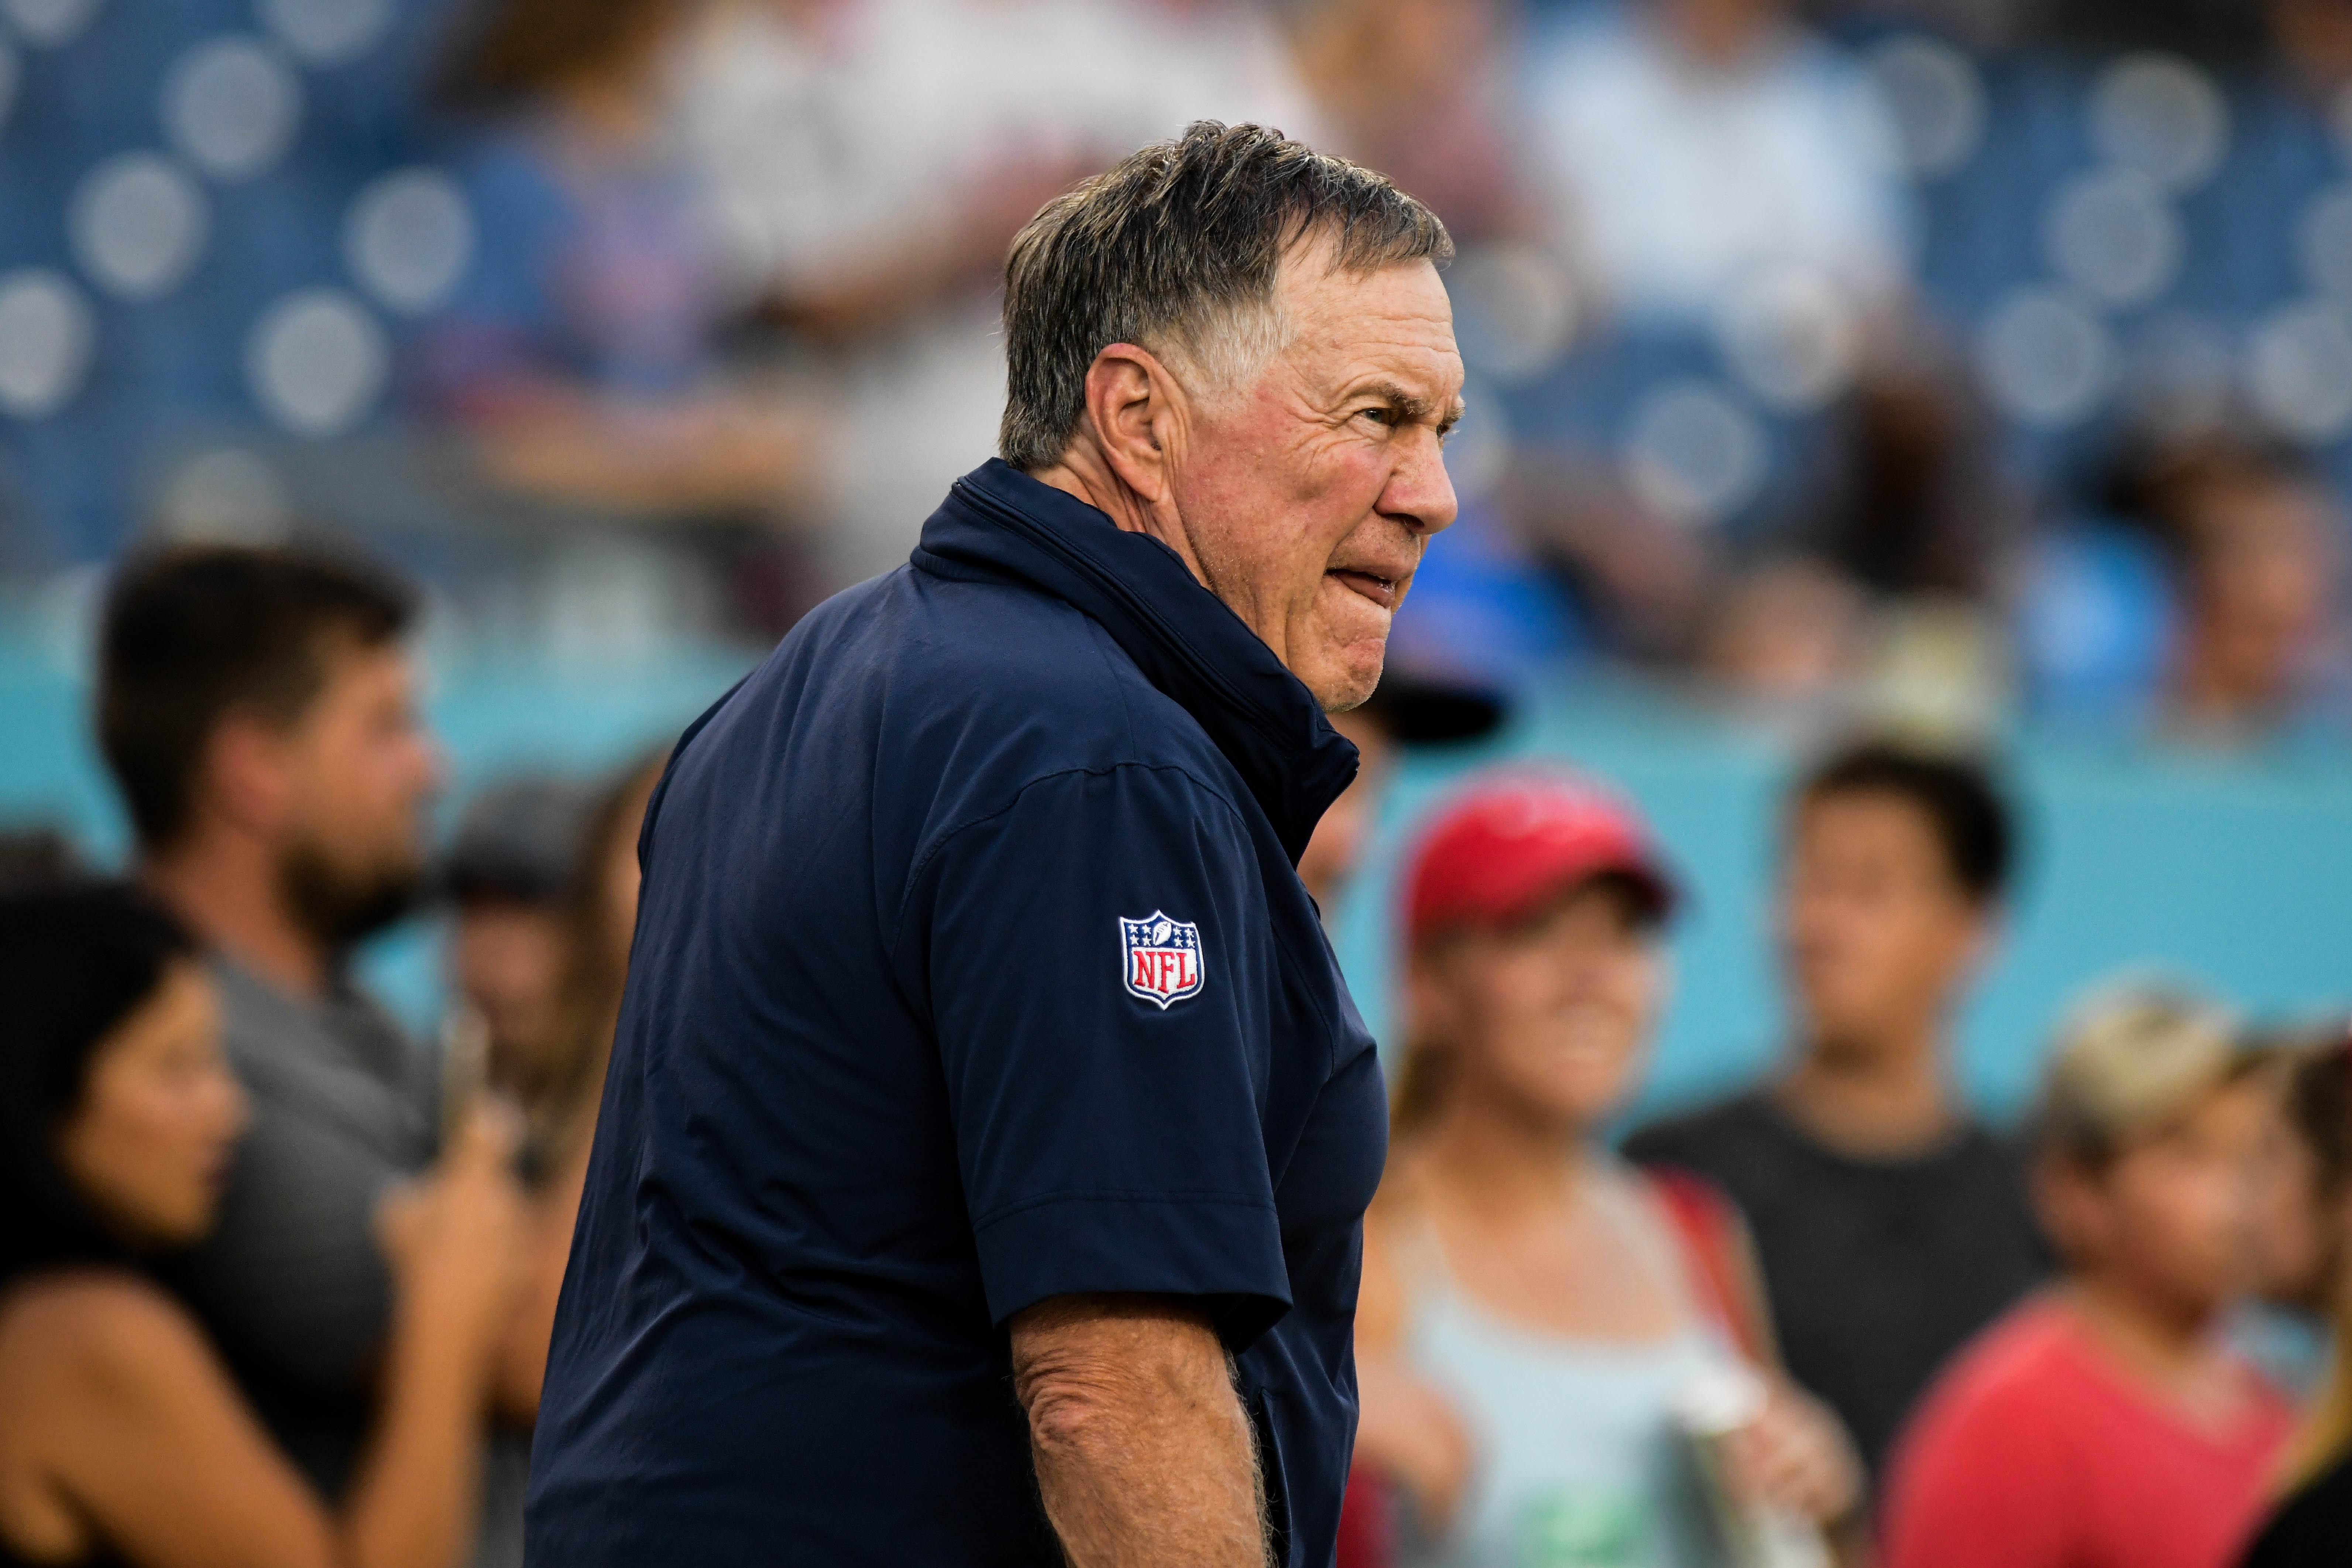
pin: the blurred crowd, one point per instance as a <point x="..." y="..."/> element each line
<point x="1958" y="359"/>
<point x="276" y="1282"/>
<point x="1933" y="361"/>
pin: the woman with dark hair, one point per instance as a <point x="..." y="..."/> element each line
<point x="125" y="1441"/>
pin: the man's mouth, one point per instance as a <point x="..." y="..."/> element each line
<point x="1380" y="591"/>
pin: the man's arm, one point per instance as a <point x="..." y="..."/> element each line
<point x="1144" y="1455"/>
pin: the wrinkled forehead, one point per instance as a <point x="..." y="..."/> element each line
<point x="1395" y="318"/>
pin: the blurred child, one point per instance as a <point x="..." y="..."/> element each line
<point x="1535" y="1312"/>
<point x="2313" y="1526"/>
<point x="2106" y="1421"/>
<point x="126" y="1440"/>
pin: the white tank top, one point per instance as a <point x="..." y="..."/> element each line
<point x="1580" y="1461"/>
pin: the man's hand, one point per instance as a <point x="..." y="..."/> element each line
<point x="1144" y="1454"/>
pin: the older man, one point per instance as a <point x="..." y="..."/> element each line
<point x="989" y="1129"/>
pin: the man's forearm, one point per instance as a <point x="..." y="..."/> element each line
<point x="1144" y="1455"/>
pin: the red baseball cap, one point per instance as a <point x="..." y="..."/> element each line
<point x="1511" y="842"/>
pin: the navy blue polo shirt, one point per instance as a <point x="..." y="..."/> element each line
<point x="971" y="969"/>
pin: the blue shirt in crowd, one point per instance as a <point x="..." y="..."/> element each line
<point x="971" y="970"/>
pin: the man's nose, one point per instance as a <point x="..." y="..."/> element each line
<point x="1420" y="492"/>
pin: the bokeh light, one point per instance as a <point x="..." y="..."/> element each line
<point x="2047" y="359"/>
<point x="138" y="225"/>
<point x="232" y="110"/>
<point x="317" y="362"/>
<point x="1692" y="454"/>
<point x="2163" y="116"/>
<point x="1937" y="99"/>
<point x="46" y="338"/>
<point x="408" y="238"/>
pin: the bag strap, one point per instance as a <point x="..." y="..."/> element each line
<point x="1713" y="1244"/>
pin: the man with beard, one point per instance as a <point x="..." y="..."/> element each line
<point x="257" y="709"/>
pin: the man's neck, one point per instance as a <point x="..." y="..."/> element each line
<point x="1888" y="1102"/>
<point x="1084" y="473"/>
<point x="227" y="892"/>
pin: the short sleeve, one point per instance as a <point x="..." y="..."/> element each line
<point x="1097" y="967"/>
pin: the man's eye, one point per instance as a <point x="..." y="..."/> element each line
<point x="1379" y="415"/>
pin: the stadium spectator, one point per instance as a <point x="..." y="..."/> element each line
<point x="599" y="913"/>
<point x="2105" y="1421"/>
<point x="863" y="166"/>
<point x="510" y="874"/>
<point x="559" y="1106"/>
<point x="1535" y="1313"/>
<point x="2254" y="537"/>
<point x="1424" y="93"/>
<point x="2300" y="1238"/>
<point x="1417" y="703"/>
<point x="2313" y="1526"/>
<point x="545" y="873"/>
<point x="1784" y="635"/>
<point x="1694" y="143"/>
<point x="126" y="1441"/>
<point x="257" y="709"/>
<point x="582" y="348"/>
<point x="1890" y="1224"/>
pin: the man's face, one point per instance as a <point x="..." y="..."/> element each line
<point x="1306" y="496"/>
<point x="1876" y="931"/>
<point x="359" y="772"/>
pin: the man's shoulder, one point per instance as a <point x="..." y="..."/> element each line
<point x="1712" y="1137"/>
<point x="343" y="1066"/>
<point x="998" y="674"/>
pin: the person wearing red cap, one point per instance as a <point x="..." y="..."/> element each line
<point x="1537" y="1317"/>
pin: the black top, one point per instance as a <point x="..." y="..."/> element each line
<point x="1877" y="1271"/>
<point x="971" y="969"/>
<point x="2313" y="1529"/>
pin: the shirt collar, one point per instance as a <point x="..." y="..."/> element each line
<point x="1181" y="637"/>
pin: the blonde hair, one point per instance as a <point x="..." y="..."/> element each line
<point x="2129" y="1060"/>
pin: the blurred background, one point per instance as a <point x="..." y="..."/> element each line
<point x="1981" y="368"/>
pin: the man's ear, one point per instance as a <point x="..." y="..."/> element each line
<point x="1137" y="412"/>
<point x="244" y="777"/>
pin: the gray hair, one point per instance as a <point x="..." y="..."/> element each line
<point x="1176" y="248"/>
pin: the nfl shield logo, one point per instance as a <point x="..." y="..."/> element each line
<point x="1162" y="958"/>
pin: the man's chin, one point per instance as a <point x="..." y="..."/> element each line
<point x="340" y="906"/>
<point x="1345" y="682"/>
